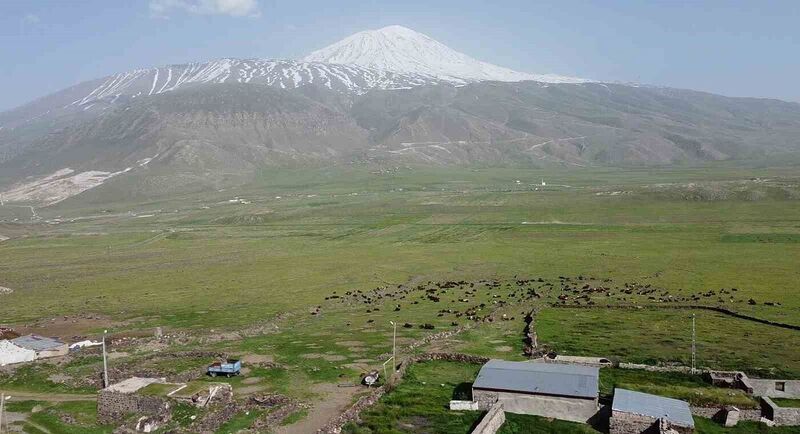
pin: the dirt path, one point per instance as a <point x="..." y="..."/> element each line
<point x="47" y="397"/>
<point x="333" y="401"/>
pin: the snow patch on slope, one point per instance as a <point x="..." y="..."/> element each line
<point x="399" y="49"/>
<point x="57" y="186"/>
<point x="285" y="74"/>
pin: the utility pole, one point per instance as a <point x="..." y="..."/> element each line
<point x="105" y="361"/>
<point x="394" y="346"/>
<point x="3" y="400"/>
<point x="694" y="344"/>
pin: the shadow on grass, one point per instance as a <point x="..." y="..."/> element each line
<point x="463" y="392"/>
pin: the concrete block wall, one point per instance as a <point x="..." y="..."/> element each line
<point x="763" y="387"/>
<point x="456" y="405"/>
<point x="492" y="421"/>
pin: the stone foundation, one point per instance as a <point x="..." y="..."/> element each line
<point x="629" y="423"/>
<point x="114" y="406"/>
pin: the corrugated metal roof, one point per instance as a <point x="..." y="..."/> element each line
<point x="541" y="378"/>
<point x="658" y="407"/>
<point x="37" y="343"/>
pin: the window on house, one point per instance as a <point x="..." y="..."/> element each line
<point x="780" y="386"/>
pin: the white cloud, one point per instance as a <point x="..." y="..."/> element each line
<point x="234" y="8"/>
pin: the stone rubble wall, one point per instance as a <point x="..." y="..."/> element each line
<point x="717" y="413"/>
<point x="652" y="368"/>
<point x="115" y="406"/>
<point x="485" y="399"/>
<point x="717" y="309"/>
<point x="352" y="414"/>
<point x="629" y="423"/>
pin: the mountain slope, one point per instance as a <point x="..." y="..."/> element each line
<point x="402" y="50"/>
<point x="205" y="125"/>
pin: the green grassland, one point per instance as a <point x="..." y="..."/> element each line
<point x="202" y="267"/>
<point x="420" y="403"/>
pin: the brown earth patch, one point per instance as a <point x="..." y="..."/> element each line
<point x="351" y="343"/>
<point x="255" y="359"/>
<point x="333" y="400"/>
<point x="334" y="357"/>
<point x="248" y="390"/>
<point x="68" y="327"/>
<point x="312" y="356"/>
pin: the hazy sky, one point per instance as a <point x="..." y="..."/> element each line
<point x="730" y="47"/>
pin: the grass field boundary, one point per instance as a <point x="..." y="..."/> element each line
<point x="717" y="309"/>
<point x="335" y="425"/>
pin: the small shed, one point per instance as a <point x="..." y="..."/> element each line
<point x="10" y="353"/>
<point x="636" y="412"/>
<point x="560" y="391"/>
<point x="43" y="346"/>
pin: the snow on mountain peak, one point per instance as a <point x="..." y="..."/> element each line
<point x="400" y="49"/>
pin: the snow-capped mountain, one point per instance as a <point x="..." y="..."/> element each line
<point x="402" y="50"/>
<point x="204" y="125"/>
<point x="390" y="58"/>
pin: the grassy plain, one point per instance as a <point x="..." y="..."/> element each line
<point x="264" y="256"/>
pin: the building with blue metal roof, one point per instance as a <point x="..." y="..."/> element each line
<point x="636" y="412"/>
<point x="561" y="391"/>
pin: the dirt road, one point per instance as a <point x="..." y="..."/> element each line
<point x="332" y="402"/>
<point x="46" y="397"/>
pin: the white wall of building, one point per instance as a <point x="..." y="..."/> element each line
<point x="10" y="354"/>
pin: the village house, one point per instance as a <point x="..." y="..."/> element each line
<point x="640" y="413"/>
<point x="561" y="391"/>
<point x="771" y="388"/>
<point x="43" y="347"/>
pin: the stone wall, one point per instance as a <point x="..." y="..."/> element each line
<point x="485" y="398"/>
<point x="782" y="416"/>
<point x="717" y="413"/>
<point x="115" y="406"/>
<point x="629" y="423"/>
<point x="492" y="421"/>
<point x="652" y="368"/>
<point x="335" y="425"/>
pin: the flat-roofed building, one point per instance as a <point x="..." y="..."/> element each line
<point x="636" y="412"/>
<point x="43" y="346"/>
<point x="560" y="391"/>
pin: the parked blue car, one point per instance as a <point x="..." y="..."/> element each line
<point x="228" y="369"/>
